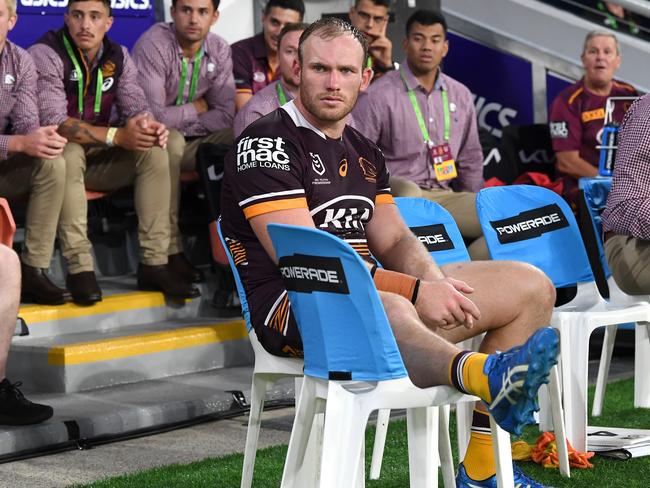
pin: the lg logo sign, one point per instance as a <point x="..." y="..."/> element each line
<point x="115" y="4"/>
<point x="493" y="116"/>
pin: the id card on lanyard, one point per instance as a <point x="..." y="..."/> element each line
<point x="194" y="80"/>
<point x="441" y="157"/>
<point x="80" y="82"/>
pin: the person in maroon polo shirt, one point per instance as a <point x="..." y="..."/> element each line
<point x="255" y="59"/>
<point x="577" y="114"/>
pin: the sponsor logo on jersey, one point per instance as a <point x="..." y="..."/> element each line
<point x="115" y="4"/>
<point x="559" y="130"/>
<point x="317" y="164"/>
<point x="108" y="83"/>
<point x="304" y="273"/>
<point x="345" y="218"/>
<point x="259" y="77"/>
<point x="597" y="114"/>
<point x="343" y="168"/>
<point x="434" y="237"/>
<point x="369" y="170"/>
<point x="262" y="153"/>
<point x="530" y="224"/>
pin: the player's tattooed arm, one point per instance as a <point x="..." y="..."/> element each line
<point x="75" y="130"/>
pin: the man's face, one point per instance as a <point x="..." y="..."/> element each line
<point x="600" y="59"/>
<point x="88" y="22"/>
<point x="274" y="21"/>
<point x="7" y="21"/>
<point x="425" y="47"/>
<point x="287" y="55"/>
<point x="331" y="76"/>
<point x="193" y="19"/>
<point x="369" y="18"/>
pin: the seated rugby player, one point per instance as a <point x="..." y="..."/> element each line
<point x="302" y="165"/>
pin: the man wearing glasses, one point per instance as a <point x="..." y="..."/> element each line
<point x="371" y="18"/>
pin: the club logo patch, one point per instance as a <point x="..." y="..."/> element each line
<point x="108" y="69"/>
<point x="369" y="170"/>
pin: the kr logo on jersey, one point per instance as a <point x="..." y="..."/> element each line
<point x="317" y="164"/>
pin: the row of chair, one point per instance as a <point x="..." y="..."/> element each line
<point x="558" y="251"/>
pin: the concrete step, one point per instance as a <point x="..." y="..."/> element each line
<point x="118" y="309"/>
<point x="97" y="415"/>
<point x="86" y="360"/>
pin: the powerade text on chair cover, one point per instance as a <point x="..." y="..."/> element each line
<point x="514" y="215"/>
<point x="435" y="228"/>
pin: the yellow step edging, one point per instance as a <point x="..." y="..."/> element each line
<point x="121" y="347"/>
<point x="34" y="314"/>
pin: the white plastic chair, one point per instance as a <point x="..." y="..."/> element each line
<point x="267" y="370"/>
<point x="594" y="198"/>
<point x="535" y="225"/>
<point x="353" y="367"/>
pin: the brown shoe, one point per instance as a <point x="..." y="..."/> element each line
<point x="162" y="278"/>
<point x="37" y="288"/>
<point x="84" y="288"/>
<point x="180" y="265"/>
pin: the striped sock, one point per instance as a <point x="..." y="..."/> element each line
<point x="466" y="374"/>
<point x="479" y="459"/>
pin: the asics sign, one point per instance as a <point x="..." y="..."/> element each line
<point x="115" y="4"/>
<point x="434" y="237"/>
<point x="530" y="224"/>
<point x="307" y="274"/>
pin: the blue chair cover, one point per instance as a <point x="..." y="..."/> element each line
<point x="344" y="329"/>
<point x="596" y="191"/>
<point x="536" y="226"/>
<point x="435" y="227"/>
<point x="238" y="283"/>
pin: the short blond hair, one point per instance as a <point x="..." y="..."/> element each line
<point x="11" y="7"/>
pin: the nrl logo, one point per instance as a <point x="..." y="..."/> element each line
<point x="317" y="164"/>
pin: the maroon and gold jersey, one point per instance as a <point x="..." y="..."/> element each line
<point x="577" y="117"/>
<point x="282" y="162"/>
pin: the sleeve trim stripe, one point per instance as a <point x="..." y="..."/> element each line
<point x="244" y="90"/>
<point x="271" y="195"/>
<point x="384" y="198"/>
<point x="274" y="206"/>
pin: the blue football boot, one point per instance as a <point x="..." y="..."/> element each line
<point x="515" y="376"/>
<point x="521" y="480"/>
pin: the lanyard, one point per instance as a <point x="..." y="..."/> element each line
<point x="418" y="112"/>
<point x="282" y="97"/>
<point x="80" y="82"/>
<point x="195" y="78"/>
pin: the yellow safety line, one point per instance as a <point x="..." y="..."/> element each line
<point x="121" y="347"/>
<point x="33" y="314"/>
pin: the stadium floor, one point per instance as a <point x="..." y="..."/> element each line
<point x="208" y="439"/>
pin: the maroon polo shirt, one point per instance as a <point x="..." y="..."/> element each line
<point x="250" y="60"/>
<point x="577" y="118"/>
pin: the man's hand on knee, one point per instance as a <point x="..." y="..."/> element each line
<point x="441" y="303"/>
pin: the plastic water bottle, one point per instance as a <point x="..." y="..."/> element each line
<point x="608" y="150"/>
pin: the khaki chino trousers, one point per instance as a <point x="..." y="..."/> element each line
<point x="44" y="180"/>
<point x="108" y="169"/>
<point x="629" y="261"/>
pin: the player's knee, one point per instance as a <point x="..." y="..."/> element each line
<point x="396" y="306"/>
<point x="536" y="288"/>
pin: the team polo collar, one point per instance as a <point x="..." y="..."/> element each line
<point x="413" y="83"/>
<point x="299" y="119"/>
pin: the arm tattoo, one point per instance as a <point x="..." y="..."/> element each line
<point x="78" y="131"/>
